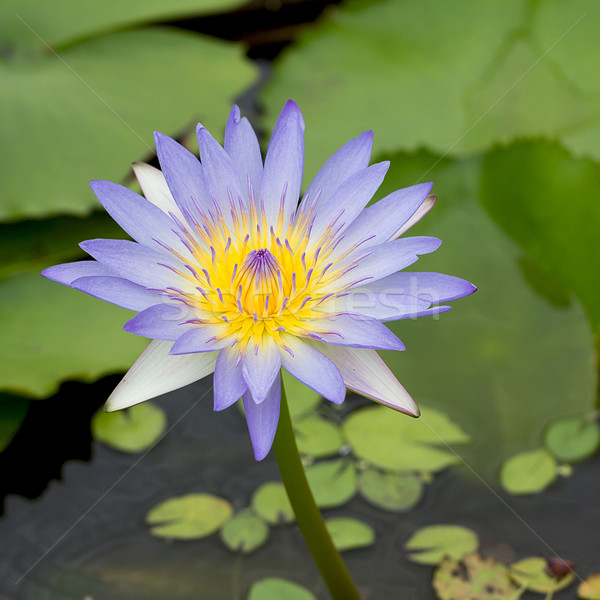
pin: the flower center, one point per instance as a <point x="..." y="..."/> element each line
<point x="259" y="282"/>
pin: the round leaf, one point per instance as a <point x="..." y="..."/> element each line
<point x="589" y="589"/>
<point x="271" y="502"/>
<point x="189" y="517"/>
<point x="132" y="430"/>
<point x="531" y="572"/>
<point x="528" y="472"/>
<point x="332" y="482"/>
<point x="276" y="589"/>
<point x="475" y="578"/>
<point x="245" y="532"/>
<point x="349" y="534"/>
<point x="390" y="491"/>
<point x="318" y="437"/>
<point x="428" y="546"/>
<point x="572" y="438"/>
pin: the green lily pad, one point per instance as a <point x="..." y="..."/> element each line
<point x="132" y="430"/>
<point x="332" y="482"/>
<point x="589" y="588"/>
<point x="391" y="491"/>
<point x="318" y="437"/>
<point x="301" y="399"/>
<point x="275" y="589"/>
<point x="528" y="472"/>
<point x="96" y="105"/>
<point x="271" y="503"/>
<point x="475" y="578"/>
<point x="245" y="532"/>
<point x="392" y="441"/>
<point x="430" y="545"/>
<point x="350" y="534"/>
<point x="65" y="334"/>
<point x="572" y="438"/>
<point x="189" y="517"/>
<point x="532" y="573"/>
<point x="13" y="411"/>
<point x="372" y="52"/>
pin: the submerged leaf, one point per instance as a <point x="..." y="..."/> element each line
<point x="349" y="534"/>
<point x="189" y="517"/>
<point x="528" y="472"/>
<point x="429" y="545"/>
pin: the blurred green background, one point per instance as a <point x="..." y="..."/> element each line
<point x="497" y="102"/>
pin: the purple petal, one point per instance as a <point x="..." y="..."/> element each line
<point x="357" y="332"/>
<point x="260" y="367"/>
<point x="229" y="383"/>
<point x="364" y="372"/>
<point x="345" y="204"/>
<point x="117" y="291"/>
<point x="385" y="259"/>
<point x="143" y="221"/>
<point x="220" y="176"/>
<point x="67" y="273"/>
<point x="201" y="338"/>
<point x="263" y="418"/>
<point x="350" y="158"/>
<point x="135" y="262"/>
<point x="284" y="164"/>
<point x="313" y="369"/>
<point x="383" y="220"/>
<point x="155" y="188"/>
<point x="183" y="173"/>
<point x="156" y="372"/>
<point x="241" y="144"/>
<point x="159" y="322"/>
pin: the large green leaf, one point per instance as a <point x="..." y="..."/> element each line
<point x="66" y="21"/>
<point x="450" y="76"/>
<point x="51" y="333"/>
<point x="89" y="112"/>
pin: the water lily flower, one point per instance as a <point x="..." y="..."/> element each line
<point x="229" y="273"/>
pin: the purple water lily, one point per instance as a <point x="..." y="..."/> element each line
<point x="230" y="274"/>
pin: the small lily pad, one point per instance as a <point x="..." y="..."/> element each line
<point x="430" y="545"/>
<point x="528" y="472"/>
<point x="270" y="501"/>
<point x="301" y="399"/>
<point x="245" y="532"/>
<point x="572" y="438"/>
<point x="318" y="437"/>
<point x="332" y="482"/>
<point x="475" y="578"/>
<point x="274" y="588"/>
<point x="133" y="430"/>
<point x="349" y="534"/>
<point x="189" y="517"/>
<point x="390" y="491"/>
<point x="532" y="573"/>
<point x="589" y="589"/>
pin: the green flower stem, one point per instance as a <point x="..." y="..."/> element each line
<point x="308" y="516"/>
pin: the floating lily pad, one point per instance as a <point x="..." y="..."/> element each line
<point x="428" y="546"/>
<point x="349" y="534"/>
<point x="245" y="532"/>
<point x="572" y="438"/>
<point x="12" y="413"/>
<point x="589" y="588"/>
<point x="132" y="430"/>
<point x="189" y="517"/>
<point x="528" y="472"/>
<point x="532" y="573"/>
<point x="276" y="589"/>
<point x="301" y="399"/>
<point x="270" y="501"/>
<point x="392" y="441"/>
<point x="390" y="491"/>
<point x="475" y="578"/>
<point x="332" y="482"/>
<point x="318" y="437"/>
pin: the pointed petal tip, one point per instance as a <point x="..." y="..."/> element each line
<point x="235" y="114"/>
<point x="291" y="108"/>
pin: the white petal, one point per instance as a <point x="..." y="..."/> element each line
<point x="157" y="372"/>
<point x="155" y="188"/>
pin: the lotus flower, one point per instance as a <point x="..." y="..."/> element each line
<point x="229" y="273"/>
